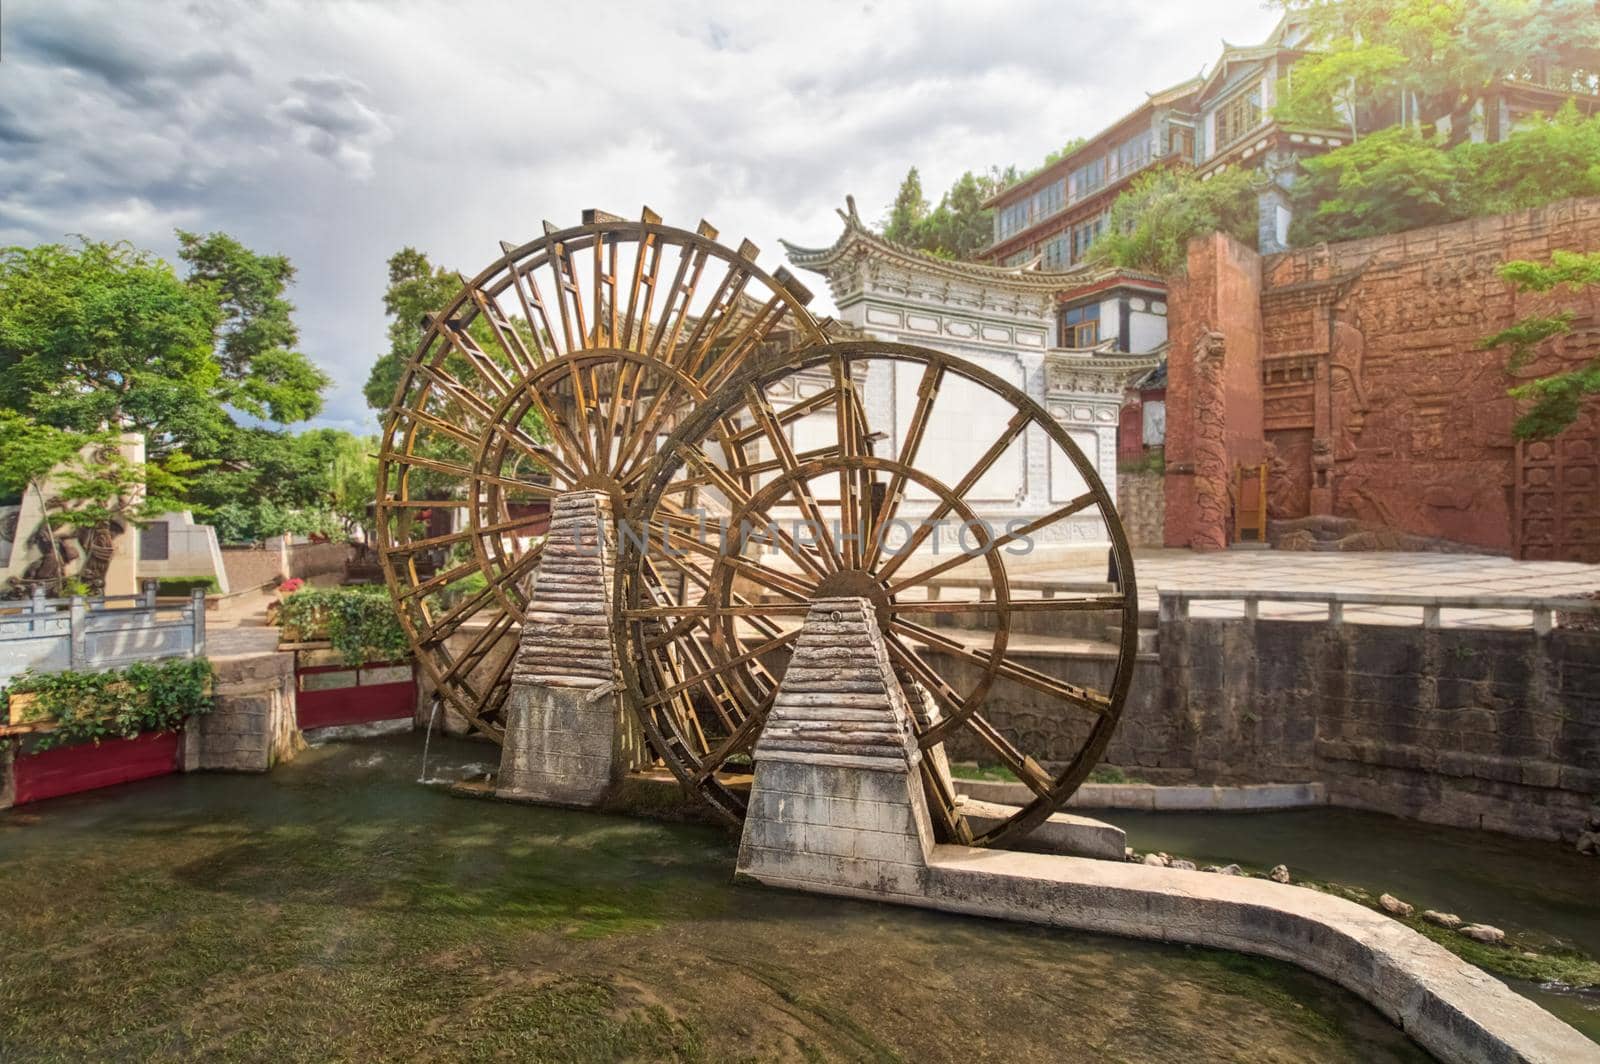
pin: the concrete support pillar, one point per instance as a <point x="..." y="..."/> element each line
<point x="568" y="736"/>
<point x="837" y="803"/>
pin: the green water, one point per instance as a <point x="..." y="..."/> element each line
<point x="336" y="909"/>
<point x="1543" y="891"/>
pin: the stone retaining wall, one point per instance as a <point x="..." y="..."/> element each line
<point x="252" y="726"/>
<point x="1141" y="503"/>
<point x="1479" y="728"/>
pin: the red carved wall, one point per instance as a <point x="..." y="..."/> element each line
<point x="1214" y="407"/>
<point x="1377" y="402"/>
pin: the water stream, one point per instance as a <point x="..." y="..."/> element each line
<point x="334" y="909"/>
<point x="427" y="740"/>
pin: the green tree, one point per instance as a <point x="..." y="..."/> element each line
<point x="1547" y="160"/>
<point x="1444" y="55"/>
<point x="1060" y="153"/>
<point x="417" y="288"/>
<point x="261" y="372"/>
<point x="29" y="451"/>
<point x="276" y="482"/>
<point x="1151" y="224"/>
<point x="103" y="335"/>
<point x="1555" y="399"/>
<point x="959" y="227"/>
<point x="1400" y="178"/>
<point x="1393" y="180"/>
<point x="908" y="212"/>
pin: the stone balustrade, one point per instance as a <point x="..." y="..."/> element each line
<point x="103" y="632"/>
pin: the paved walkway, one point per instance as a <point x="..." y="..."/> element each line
<point x="239" y="626"/>
<point x="1355" y="572"/>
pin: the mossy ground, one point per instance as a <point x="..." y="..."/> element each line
<point x="336" y="910"/>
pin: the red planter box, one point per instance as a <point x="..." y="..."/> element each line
<point x="90" y="766"/>
<point x="362" y="703"/>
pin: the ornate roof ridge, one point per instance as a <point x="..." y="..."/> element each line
<point x="1028" y="275"/>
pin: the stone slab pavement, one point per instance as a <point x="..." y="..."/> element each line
<point x="1382" y="572"/>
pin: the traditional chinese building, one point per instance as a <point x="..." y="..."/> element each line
<point x="1070" y="339"/>
<point x="1223" y="118"/>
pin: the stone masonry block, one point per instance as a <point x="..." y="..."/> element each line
<point x="827" y="811"/>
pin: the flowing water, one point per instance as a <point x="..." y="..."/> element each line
<point x="334" y="909"/>
<point x="427" y="741"/>
<point x="1543" y="891"/>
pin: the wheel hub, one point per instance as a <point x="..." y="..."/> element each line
<point x="858" y="583"/>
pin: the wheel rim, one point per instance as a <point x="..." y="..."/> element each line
<point x="704" y="722"/>
<point x="557" y="368"/>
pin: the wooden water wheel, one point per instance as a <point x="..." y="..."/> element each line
<point x="835" y="506"/>
<point x="557" y="368"/>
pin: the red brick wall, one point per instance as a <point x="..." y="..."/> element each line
<point x="1374" y="394"/>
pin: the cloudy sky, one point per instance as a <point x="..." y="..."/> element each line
<point x="337" y="132"/>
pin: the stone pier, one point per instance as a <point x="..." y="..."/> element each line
<point x="568" y="736"/>
<point x="837" y="799"/>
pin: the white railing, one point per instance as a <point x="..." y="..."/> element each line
<point x="1541" y="610"/>
<point x="102" y="632"/>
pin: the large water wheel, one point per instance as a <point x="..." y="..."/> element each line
<point x="557" y="368"/>
<point x="839" y="507"/>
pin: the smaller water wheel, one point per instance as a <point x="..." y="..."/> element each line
<point x="557" y="368"/>
<point x="843" y="508"/>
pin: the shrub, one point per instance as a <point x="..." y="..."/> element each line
<point x="118" y="703"/>
<point x="1152" y="223"/>
<point x="1399" y="178"/>
<point x="360" y="622"/>
<point x="172" y="586"/>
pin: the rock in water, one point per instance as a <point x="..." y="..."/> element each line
<point x="1589" y="842"/>
<point x="1279" y="874"/>
<point x="1448" y="920"/>
<point x="1492" y="936"/>
<point x="1231" y="870"/>
<point x="1394" y="905"/>
<point x="1178" y="862"/>
<point x="1155" y="860"/>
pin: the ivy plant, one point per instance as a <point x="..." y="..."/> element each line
<point x="117" y="703"/>
<point x="360" y="622"/>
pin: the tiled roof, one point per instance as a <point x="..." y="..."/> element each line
<point x="1028" y="276"/>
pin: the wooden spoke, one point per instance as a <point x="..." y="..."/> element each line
<point x="798" y="488"/>
<point x="1022" y="532"/>
<point x="927" y="392"/>
<point x="775" y="643"/>
<point x="1013" y="429"/>
<point x="1085" y="697"/>
<point x="696" y="658"/>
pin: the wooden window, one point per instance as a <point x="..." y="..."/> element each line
<point x="1238" y="116"/>
<point x="1086" y="179"/>
<point x="1080" y="326"/>
<point x="1057" y="252"/>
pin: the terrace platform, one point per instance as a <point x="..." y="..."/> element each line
<point x="1353" y="574"/>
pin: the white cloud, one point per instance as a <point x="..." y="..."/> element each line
<point x="338" y="132"/>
